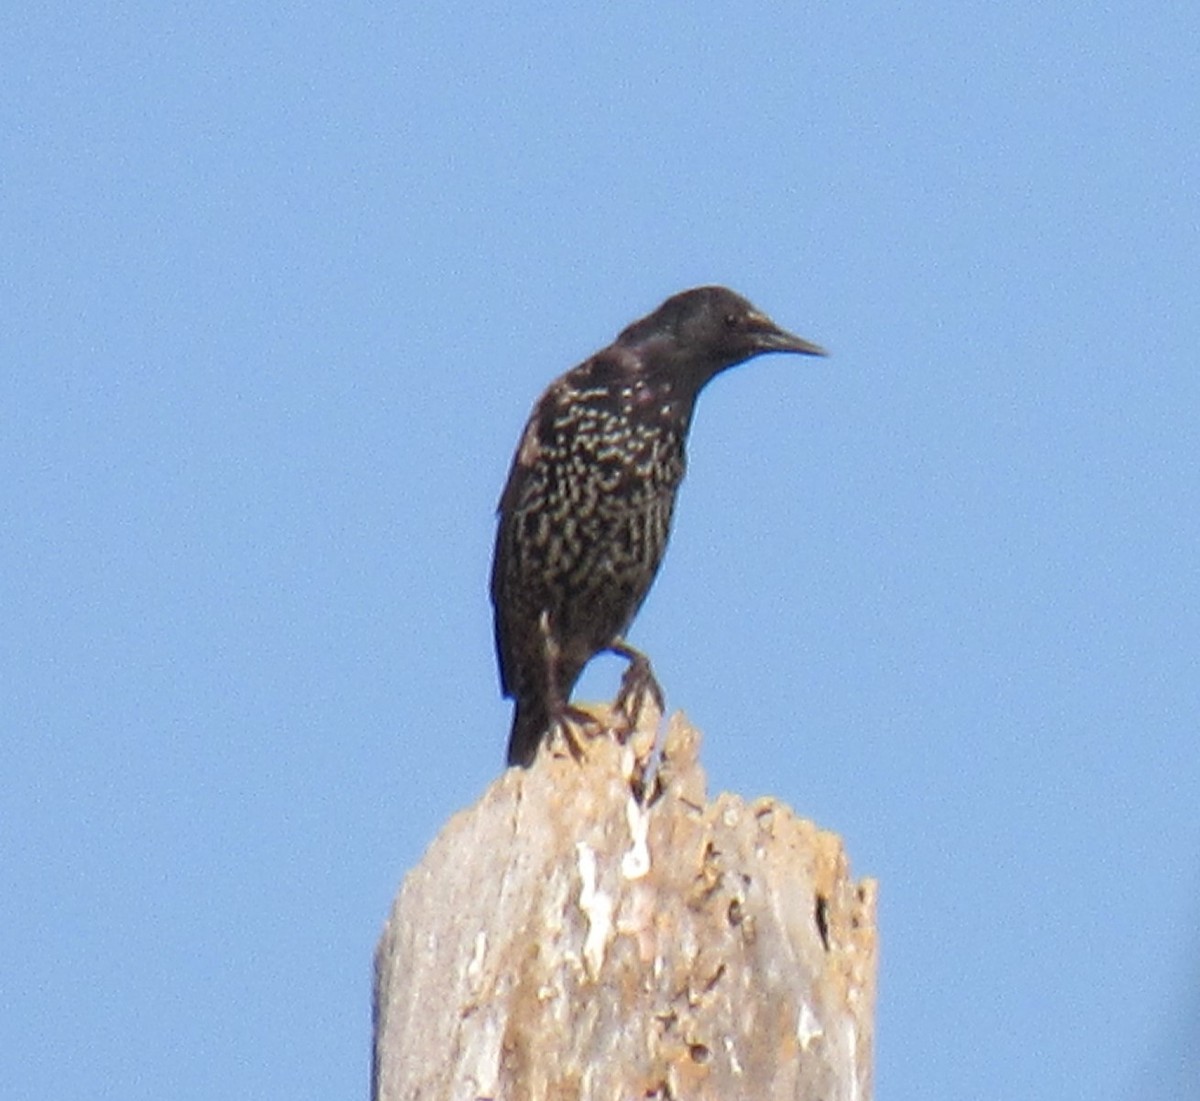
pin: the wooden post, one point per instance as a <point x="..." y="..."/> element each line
<point x="560" y="940"/>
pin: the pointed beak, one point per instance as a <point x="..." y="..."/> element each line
<point x="769" y="337"/>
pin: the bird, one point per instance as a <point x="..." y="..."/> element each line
<point x="585" y="513"/>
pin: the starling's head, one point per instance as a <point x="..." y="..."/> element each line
<point x="707" y="329"/>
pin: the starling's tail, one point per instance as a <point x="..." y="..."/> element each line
<point x="531" y="720"/>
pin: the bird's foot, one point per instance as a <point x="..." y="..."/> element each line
<point x="576" y="726"/>
<point x="638" y="686"/>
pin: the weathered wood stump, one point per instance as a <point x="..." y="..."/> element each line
<point x="565" y="939"/>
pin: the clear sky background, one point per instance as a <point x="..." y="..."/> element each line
<point x="280" y="285"/>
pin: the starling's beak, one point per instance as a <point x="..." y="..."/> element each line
<point x="769" y="337"/>
<point x="773" y="338"/>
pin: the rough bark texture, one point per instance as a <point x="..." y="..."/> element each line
<point x="562" y="941"/>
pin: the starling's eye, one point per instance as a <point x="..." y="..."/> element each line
<point x="731" y="320"/>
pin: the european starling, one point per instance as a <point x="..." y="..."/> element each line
<point x="585" y="515"/>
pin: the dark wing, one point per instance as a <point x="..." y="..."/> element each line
<point x="549" y="420"/>
<point x="505" y="557"/>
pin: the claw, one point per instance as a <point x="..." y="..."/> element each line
<point x="575" y="724"/>
<point x="638" y="685"/>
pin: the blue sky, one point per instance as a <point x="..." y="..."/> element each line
<point x="280" y="286"/>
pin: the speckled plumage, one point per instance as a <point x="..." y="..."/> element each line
<point x="586" y="512"/>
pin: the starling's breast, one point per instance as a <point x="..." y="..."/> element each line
<point x="619" y="450"/>
<point x="610" y="464"/>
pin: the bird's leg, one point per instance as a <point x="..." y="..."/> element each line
<point x="572" y="722"/>
<point x="638" y="683"/>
